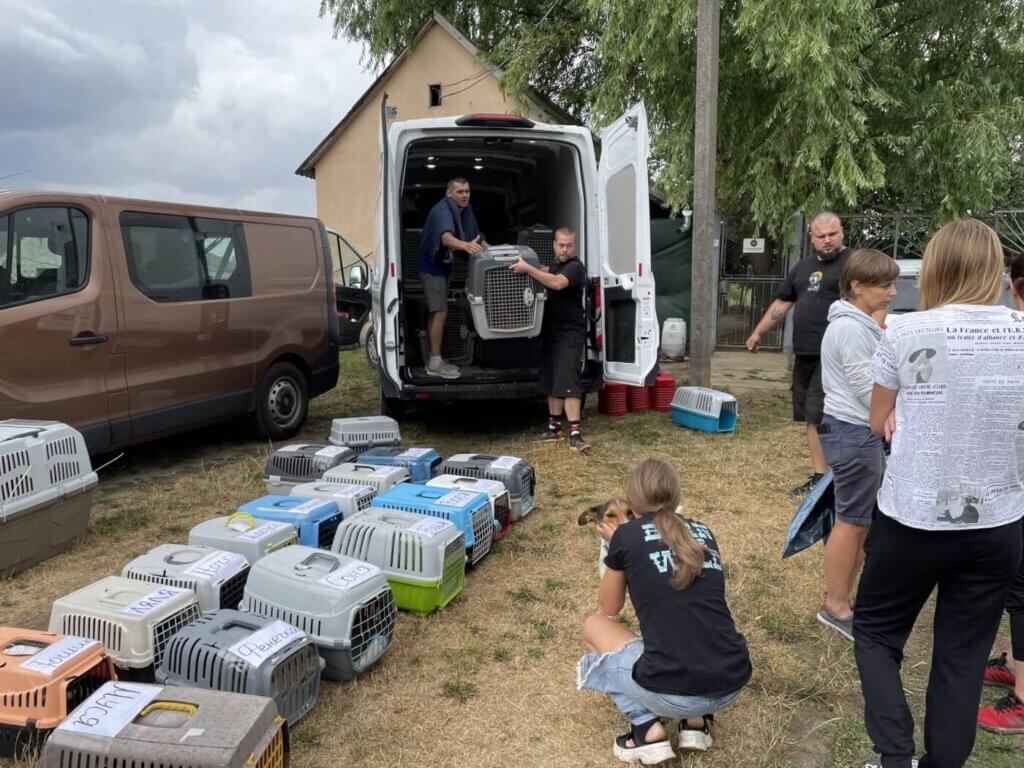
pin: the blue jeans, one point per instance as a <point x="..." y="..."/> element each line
<point x="612" y="673"/>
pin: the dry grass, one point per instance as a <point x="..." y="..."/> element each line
<point x="490" y="680"/>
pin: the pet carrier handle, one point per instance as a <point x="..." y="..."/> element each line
<point x="244" y="516"/>
<point x="485" y="456"/>
<point x="306" y="564"/>
<point x="172" y="559"/>
<point x="169" y="706"/>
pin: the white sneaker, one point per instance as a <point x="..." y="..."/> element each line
<point x="695" y="739"/>
<point x="443" y="369"/>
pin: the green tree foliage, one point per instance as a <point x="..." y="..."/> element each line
<point x="913" y="105"/>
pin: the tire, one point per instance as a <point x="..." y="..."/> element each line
<point x="281" y="402"/>
<point x="371" y="349"/>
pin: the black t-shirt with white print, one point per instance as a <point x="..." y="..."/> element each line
<point x="691" y="645"/>
<point x="812" y="285"/>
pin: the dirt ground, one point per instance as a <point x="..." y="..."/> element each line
<point x="490" y="680"/>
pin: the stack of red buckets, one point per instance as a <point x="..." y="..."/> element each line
<point x="616" y="399"/>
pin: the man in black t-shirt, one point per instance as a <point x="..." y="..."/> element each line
<point x="810" y="288"/>
<point x="564" y="337"/>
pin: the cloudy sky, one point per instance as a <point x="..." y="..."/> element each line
<point x="210" y="101"/>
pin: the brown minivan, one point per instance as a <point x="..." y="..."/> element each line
<point x="131" y="319"/>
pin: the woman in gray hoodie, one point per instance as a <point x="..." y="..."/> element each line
<point x="868" y="286"/>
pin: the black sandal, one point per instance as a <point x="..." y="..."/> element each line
<point x="642" y="751"/>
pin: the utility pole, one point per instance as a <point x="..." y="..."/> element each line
<point x="704" y="281"/>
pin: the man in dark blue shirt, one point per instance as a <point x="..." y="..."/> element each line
<point x="451" y="225"/>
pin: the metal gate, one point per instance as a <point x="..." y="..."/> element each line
<point x="742" y="302"/>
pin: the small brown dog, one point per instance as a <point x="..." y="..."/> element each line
<point x="614" y="512"/>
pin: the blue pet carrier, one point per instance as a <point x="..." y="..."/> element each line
<point x="316" y="520"/>
<point x="421" y="462"/>
<point x="703" y="409"/>
<point x="468" y="510"/>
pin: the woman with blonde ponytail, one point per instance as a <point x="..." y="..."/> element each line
<point x="689" y="661"/>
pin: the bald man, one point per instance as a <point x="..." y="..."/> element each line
<point x="810" y="288"/>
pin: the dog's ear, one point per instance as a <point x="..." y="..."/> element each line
<point x="591" y="514"/>
<point x="630" y="514"/>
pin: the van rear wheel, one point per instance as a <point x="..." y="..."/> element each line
<point x="282" y="402"/>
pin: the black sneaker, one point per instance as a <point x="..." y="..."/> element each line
<point x="550" y="436"/>
<point x="803" y="490"/>
<point x="577" y="443"/>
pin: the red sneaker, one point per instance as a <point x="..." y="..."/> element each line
<point x="1007" y="716"/>
<point x="999" y="674"/>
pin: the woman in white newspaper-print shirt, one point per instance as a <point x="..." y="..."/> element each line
<point x="949" y="389"/>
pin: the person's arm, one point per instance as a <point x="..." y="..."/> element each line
<point x="883" y="404"/>
<point x="553" y="282"/>
<point x="448" y="240"/>
<point x="855" y="354"/>
<point x="611" y="595"/>
<point x="775" y="314"/>
<point x="886" y="377"/>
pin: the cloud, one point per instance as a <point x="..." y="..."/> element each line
<point x="181" y="99"/>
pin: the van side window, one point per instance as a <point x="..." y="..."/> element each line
<point x="44" y="252"/>
<point x="178" y="258"/>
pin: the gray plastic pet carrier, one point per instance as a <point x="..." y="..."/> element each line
<point x="349" y="497"/>
<point x="46" y="490"/>
<point x="505" y="305"/>
<point x="458" y="341"/>
<point x="377" y="477"/>
<point x="215" y="575"/>
<point x="134" y="725"/>
<point x="133" y="619"/>
<point x="241" y="653"/>
<point x="244" y="534"/>
<point x="302" y="463"/>
<point x="365" y="431"/>
<point x="542" y="240"/>
<point x="344" y="605"/>
<point x="514" y="472"/>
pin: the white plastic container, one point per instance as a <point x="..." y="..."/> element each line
<point x="673" y="338"/>
<point x="215" y="575"/>
<point x="365" y="431"/>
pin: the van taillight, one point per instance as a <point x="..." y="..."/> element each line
<point x="598" y="338"/>
<point x="493" y="120"/>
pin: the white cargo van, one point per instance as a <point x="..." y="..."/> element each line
<point x="527" y="179"/>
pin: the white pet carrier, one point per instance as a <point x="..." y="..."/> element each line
<point x="133" y="725"/>
<point x="302" y="463"/>
<point x="515" y="473"/>
<point x="241" y="653"/>
<point x="133" y="619"/>
<point x="344" y="605"/>
<point x="501" y="504"/>
<point x="365" y="431"/>
<point x="244" y="534"/>
<point x="349" y="497"/>
<point x="505" y="305"/>
<point x="46" y="490"/>
<point x="377" y="477"/>
<point x="215" y="575"/>
<point x="703" y="409"/>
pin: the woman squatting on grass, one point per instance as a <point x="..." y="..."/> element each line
<point x="867" y="285"/>
<point x="689" y="661"/>
<point x="952" y="498"/>
<point x="1007" y="715"/>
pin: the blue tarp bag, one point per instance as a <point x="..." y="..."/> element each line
<point x="814" y="517"/>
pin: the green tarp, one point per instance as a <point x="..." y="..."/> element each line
<point x="671" y="259"/>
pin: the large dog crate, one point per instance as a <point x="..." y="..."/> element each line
<point x="133" y="725"/>
<point x="302" y="463"/>
<point x="501" y="505"/>
<point x="133" y="619"/>
<point x="458" y="341"/>
<point x="46" y="490"/>
<point x="241" y="653"/>
<point x="703" y="409"/>
<point x="316" y="520"/>
<point x="244" y="534"/>
<point x="541" y="240"/>
<point x="469" y="511"/>
<point x="410" y="259"/>
<point x="365" y="431"/>
<point x="344" y="605"/>
<point x="349" y="497"/>
<point x="423" y="558"/>
<point x="377" y="477"/>
<point x="420" y="462"/>
<point x="43" y="677"/>
<point x="515" y="473"/>
<point x="505" y="305"/>
<point x="215" y="575"/>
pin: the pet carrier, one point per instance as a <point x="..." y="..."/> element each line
<point x="501" y="506"/>
<point x="410" y="259"/>
<point x="379" y="478"/>
<point x="344" y="605"/>
<point x="457" y="340"/>
<point x="469" y="511"/>
<point x="316" y="520"/>
<point x="516" y="474"/>
<point x="421" y="462"/>
<point x="505" y="305"/>
<point x="349" y="497"/>
<point x="46" y="490"/>
<point x="244" y="534"/>
<point x="42" y="678"/>
<point x="707" y="410"/>
<point x="542" y="240"/>
<point x="134" y="725"/>
<point x="301" y="463"/>
<point x="241" y="653"/>
<point x="423" y="558"/>
<point x="133" y="619"/>
<point x="215" y="575"/>
<point x="365" y="432"/>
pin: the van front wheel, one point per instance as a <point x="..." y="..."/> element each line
<point x="282" y="402"/>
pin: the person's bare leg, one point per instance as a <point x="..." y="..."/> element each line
<point x="572" y="408"/>
<point x="435" y="330"/>
<point x="818" y="464"/>
<point x="555" y="406"/>
<point x="857" y="568"/>
<point x="842" y="552"/>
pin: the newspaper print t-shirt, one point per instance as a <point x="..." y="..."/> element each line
<point x="958" y="451"/>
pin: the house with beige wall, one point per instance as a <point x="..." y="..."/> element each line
<point x="440" y="74"/>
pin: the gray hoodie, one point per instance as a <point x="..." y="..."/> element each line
<point x="846" y="352"/>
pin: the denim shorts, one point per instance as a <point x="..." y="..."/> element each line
<point x="858" y="464"/>
<point x="612" y="673"/>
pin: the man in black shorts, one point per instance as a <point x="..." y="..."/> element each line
<point x="564" y="337"/>
<point x="810" y="288"/>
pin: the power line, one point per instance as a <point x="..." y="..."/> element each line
<point x="19" y="173"/>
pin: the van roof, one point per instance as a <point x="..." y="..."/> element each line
<point x="10" y="198"/>
<point x="453" y="123"/>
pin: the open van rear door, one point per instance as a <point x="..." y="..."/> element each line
<point x="630" y="324"/>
